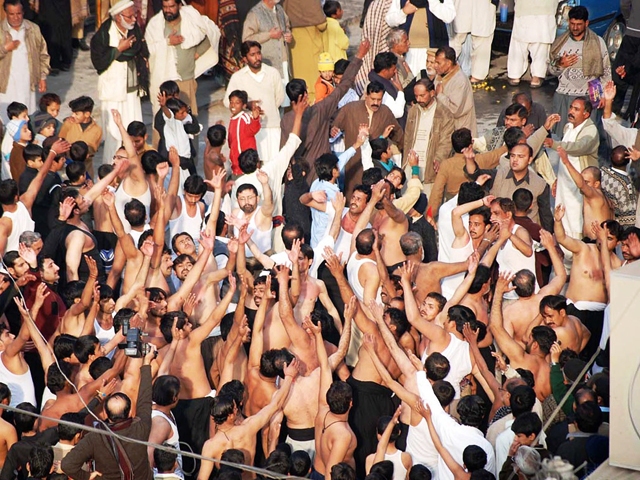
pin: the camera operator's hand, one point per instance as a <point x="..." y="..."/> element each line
<point x="153" y="353"/>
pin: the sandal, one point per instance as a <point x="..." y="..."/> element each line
<point x="514" y="82"/>
<point x="535" y="82"/>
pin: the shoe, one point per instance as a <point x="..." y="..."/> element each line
<point x="54" y="72"/>
<point x="82" y="44"/>
<point x="514" y="82"/>
<point x="535" y="82"/>
<point x="65" y="68"/>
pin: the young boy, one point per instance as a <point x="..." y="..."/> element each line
<point x="214" y="160"/>
<point x="335" y="39"/>
<point x="21" y="135"/>
<point x="81" y="126"/>
<point x="33" y="158"/>
<point x="325" y="84"/>
<point x="15" y="111"/>
<point x="388" y="431"/>
<point x="527" y="427"/>
<point x="50" y="103"/>
<point x="138" y="133"/>
<point x="178" y="126"/>
<point x="243" y="127"/>
<point x="44" y="126"/>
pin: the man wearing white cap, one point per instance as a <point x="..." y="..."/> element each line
<point x="182" y="45"/>
<point x="119" y="54"/>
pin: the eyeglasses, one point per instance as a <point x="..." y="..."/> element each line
<point x="247" y="198"/>
<point x="128" y="17"/>
<point x="120" y="157"/>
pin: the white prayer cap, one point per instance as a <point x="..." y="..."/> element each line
<point x="120" y="6"/>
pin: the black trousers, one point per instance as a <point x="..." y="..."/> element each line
<point x="54" y="19"/>
<point x="629" y="56"/>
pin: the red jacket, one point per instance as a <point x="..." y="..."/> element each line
<point x="242" y="136"/>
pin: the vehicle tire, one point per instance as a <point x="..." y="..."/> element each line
<point x="613" y="37"/>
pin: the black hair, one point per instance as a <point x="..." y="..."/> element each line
<point x="67" y="432"/>
<point x="234" y="388"/>
<point x="514" y="136"/>
<point x="364" y="242"/>
<point x="398" y="319"/>
<point x="342" y="471"/>
<point x="482" y="276"/>
<point x="482" y="474"/>
<point x="175" y="105"/>
<point x="383" y="423"/>
<point x="272" y="362"/>
<point x="522" y="400"/>
<point x="437" y="366"/>
<point x="471" y="410"/>
<point x="8" y="191"/>
<point x="137" y="129"/>
<point x="85" y="346"/>
<point x="15" y="108"/>
<point x="461" y="315"/>
<point x="57" y="376"/>
<point x="106" y="292"/>
<point x="150" y="161"/>
<point x="47" y="99"/>
<point x="99" y="367"/>
<point x="439" y="298"/>
<point x="169" y="88"/>
<point x="23" y="421"/>
<point x="375" y="87"/>
<point x="217" y="135"/>
<point x="246" y="47"/>
<point x="121" y="316"/>
<point x="194" y="184"/>
<point x="383" y="61"/>
<point x="40" y="460"/>
<point x="544" y="336"/>
<point x="75" y="171"/>
<point x="82" y="104"/>
<point x="300" y="464"/>
<point x="383" y="468"/>
<point x="278" y="462"/>
<point x="370" y="177"/>
<point x="516" y="109"/>
<point x="105" y="169"/>
<point x="554" y="302"/>
<point x="295" y="89"/>
<point x="614" y="228"/>
<point x="330" y="8"/>
<point x="32" y="152"/>
<point x="444" y="392"/>
<point x="420" y="472"/>
<point x="290" y="232"/>
<point x="163" y="460"/>
<point x="340" y="66"/>
<point x="579" y="13"/>
<point x="469" y="192"/>
<point x="484" y="212"/>
<point x="221" y="408"/>
<point x="63" y="346"/>
<point x="588" y="107"/>
<point x="339" y="397"/>
<point x="5" y="393"/>
<point x="232" y="455"/>
<point x="241" y="95"/>
<point x="588" y="417"/>
<point x="527" y="376"/>
<point x="324" y="166"/>
<point x="166" y="389"/>
<point x="71" y="291"/>
<point x="248" y="160"/>
<point x="378" y="147"/>
<point x="528" y="423"/>
<point x="522" y="198"/>
<point x="474" y="458"/>
<point x="505" y="204"/>
<point x="448" y="52"/>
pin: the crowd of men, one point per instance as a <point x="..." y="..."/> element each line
<point x="360" y="286"/>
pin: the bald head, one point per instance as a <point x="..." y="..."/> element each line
<point x="619" y="158"/>
<point x="117" y="407"/>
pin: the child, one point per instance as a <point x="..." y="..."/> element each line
<point x="324" y="84"/>
<point x="81" y="126"/>
<point x="388" y="432"/>
<point x="165" y="464"/>
<point x="138" y="133"/>
<point x="50" y="103"/>
<point x="168" y="89"/>
<point x="33" y="158"/>
<point x="44" y="126"/>
<point x="242" y="127"/>
<point x="177" y="121"/>
<point x="335" y="39"/>
<point x="213" y="158"/>
<point x="21" y="135"/>
<point x="527" y="428"/>
<point x="15" y="111"/>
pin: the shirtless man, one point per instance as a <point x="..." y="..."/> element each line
<point x="519" y="314"/>
<point x="335" y="441"/>
<point x="570" y="331"/>
<point x="596" y="207"/>
<point x="586" y="295"/>
<point x="476" y="299"/>
<point x="535" y="355"/>
<point x="190" y="370"/>
<point x="8" y="434"/>
<point x="390" y="222"/>
<point x="429" y="274"/>
<point x="302" y="404"/>
<point x="462" y="236"/>
<point x="371" y="398"/>
<point x="242" y="436"/>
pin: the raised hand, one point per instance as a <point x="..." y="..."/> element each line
<point x="350" y="308"/>
<point x="407" y="271"/>
<point x="387" y="131"/>
<point x="333" y="262"/>
<point x="492" y="233"/>
<point x="370" y="342"/>
<point x="92" y="266"/>
<point x="413" y="158"/>
<point x="546" y="240"/>
<point x="338" y="203"/>
<point x="282" y="273"/>
<point x="117" y="118"/>
<point x="96" y="293"/>
<point x="291" y="370"/>
<point x="609" y="91"/>
<point x="301" y="105"/>
<point x="189" y="305"/>
<point x="503" y="285"/>
<point x="377" y="310"/>
<point x="562" y="153"/>
<point x="60" y="146"/>
<point x="244" y="235"/>
<point x="556" y="350"/>
<point x="528" y="129"/>
<point x="551" y="121"/>
<point x="43" y="292"/>
<point x="206" y="240"/>
<point x="470" y="335"/>
<point x="147" y="247"/>
<point x="415" y="361"/>
<point x="294" y="253"/>
<point x="162" y="169"/>
<point x="262" y="177"/>
<point x="310" y="327"/>
<point x="468" y="154"/>
<point x="472" y="263"/>
<point x="363" y="48"/>
<point x="377" y="191"/>
<point x="633" y="154"/>
<point x="559" y="213"/>
<point x="486" y="201"/>
<point x="232" y="282"/>
<point x="422" y="409"/>
<point x="319" y="196"/>
<point x="108" y="198"/>
<point x="500" y="363"/>
<point x="27" y="254"/>
<point x="268" y="293"/>
<point x="505" y="231"/>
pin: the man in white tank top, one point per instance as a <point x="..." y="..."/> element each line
<point x="188" y="211"/>
<point x="513" y="249"/>
<point x="14" y="370"/>
<point x="259" y="220"/>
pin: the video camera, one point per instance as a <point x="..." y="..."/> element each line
<point x="133" y="346"/>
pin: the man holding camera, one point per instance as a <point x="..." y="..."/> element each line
<point x="114" y="459"/>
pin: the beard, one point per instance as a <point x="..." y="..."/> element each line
<point x="431" y="72"/>
<point x="248" y="208"/>
<point x="170" y="17"/>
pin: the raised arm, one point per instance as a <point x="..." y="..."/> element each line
<point x="461" y="233"/>
<point x="572" y="244"/>
<point x="337" y="357"/>
<point x="103" y="183"/>
<point x="267" y="195"/>
<point x="295" y="332"/>
<point x="124" y="239"/>
<point x="399" y="356"/>
<point x="87" y="291"/>
<point x="198" y="335"/>
<point x="508" y="345"/>
<point x="576" y="176"/>
<point x="175" y="301"/>
<point x="135" y="169"/>
<point x="383" y="443"/>
<point x="471" y="337"/>
<point x="29" y="197"/>
<point x="257" y="336"/>
<point x="231" y="354"/>
<point x="555" y="285"/>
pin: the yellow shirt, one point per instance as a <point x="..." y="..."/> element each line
<point x="335" y="40"/>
